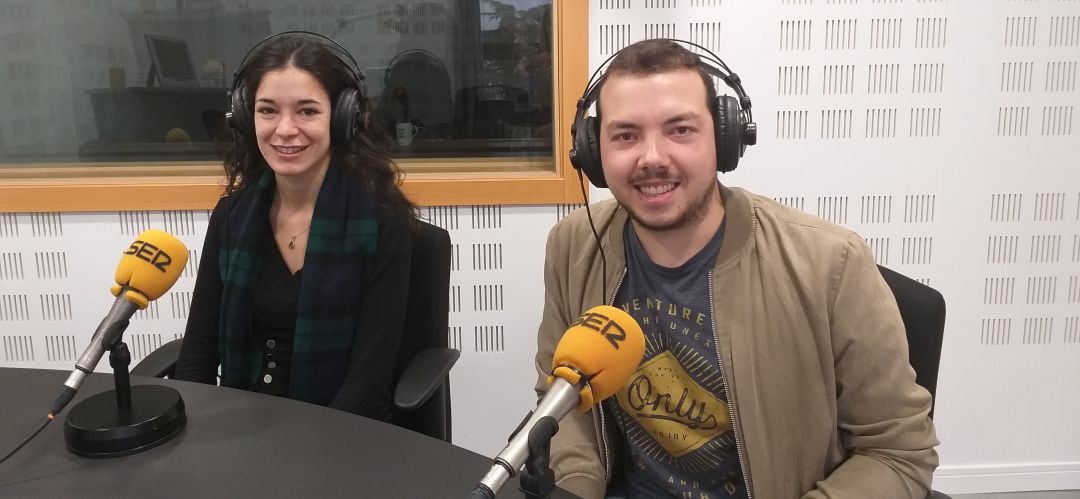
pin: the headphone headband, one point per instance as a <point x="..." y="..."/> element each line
<point x="733" y="121"/>
<point x="334" y="47"/>
<point x="349" y="109"/>
<point x="708" y="61"/>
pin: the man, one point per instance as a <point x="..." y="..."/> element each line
<point x="776" y="360"/>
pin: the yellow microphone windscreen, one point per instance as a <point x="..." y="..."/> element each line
<point x="605" y="345"/>
<point x="150" y="266"/>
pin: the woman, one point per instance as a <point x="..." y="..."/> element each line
<point x="301" y="289"/>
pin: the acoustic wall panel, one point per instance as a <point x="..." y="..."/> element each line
<point x="11" y="266"/>
<point x="706" y="34"/>
<point x="1061" y="76"/>
<point x="57" y="278"/>
<point x="191" y="269"/>
<point x="133" y="223"/>
<point x="55" y="307"/>
<point x="1072" y="330"/>
<point x="927" y="78"/>
<point x="14" y="308"/>
<point x="879" y="246"/>
<point x="18" y="349"/>
<point x="837" y="79"/>
<point x="924" y="122"/>
<point x="60" y="348"/>
<point x="141" y="344"/>
<point x="9" y="228"/>
<point x="46" y="225"/>
<point x="1002" y="249"/>
<point x="50" y="264"/>
<point x="179" y="304"/>
<point x="995" y="332"/>
<point x="876" y="209"/>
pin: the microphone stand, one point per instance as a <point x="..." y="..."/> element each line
<point x="537" y="479"/>
<point x="120" y="359"/>
<point x="111" y="423"/>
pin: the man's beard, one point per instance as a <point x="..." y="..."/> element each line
<point x="694" y="212"/>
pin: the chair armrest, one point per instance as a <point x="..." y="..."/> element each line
<point x="423" y="376"/>
<point x="161" y="362"/>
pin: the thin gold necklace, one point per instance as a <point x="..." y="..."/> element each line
<point x="292" y="238"/>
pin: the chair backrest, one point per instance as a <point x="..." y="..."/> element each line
<point x="922" y="309"/>
<point x="426" y="321"/>
<point x="161" y="363"/>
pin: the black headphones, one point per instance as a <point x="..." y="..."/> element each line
<point x="347" y="116"/>
<point x="733" y="123"/>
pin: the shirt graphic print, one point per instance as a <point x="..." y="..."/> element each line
<point x="674" y="412"/>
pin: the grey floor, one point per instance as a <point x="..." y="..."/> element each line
<point x="1058" y="494"/>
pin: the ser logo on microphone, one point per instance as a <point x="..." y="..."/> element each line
<point x="150" y="253"/>
<point x="604" y="325"/>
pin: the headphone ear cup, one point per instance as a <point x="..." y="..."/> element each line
<point x="238" y="116"/>
<point x="728" y="129"/>
<point x="587" y="144"/>
<point x="345" y="118"/>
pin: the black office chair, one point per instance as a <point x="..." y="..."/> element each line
<point x="422" y="384"/>
<point x="922" y="309"/>
<point x="161" y="363"/>
<point x="421" y="376"/>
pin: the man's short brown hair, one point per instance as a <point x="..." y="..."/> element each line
<point x="649" y="57"/>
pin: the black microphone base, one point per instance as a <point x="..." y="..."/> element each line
<point x="95" y="427"/>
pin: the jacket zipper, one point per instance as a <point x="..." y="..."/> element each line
<point x="731" y="399"/>
<point x="603" y="426"/>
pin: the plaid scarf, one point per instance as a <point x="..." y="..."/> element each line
<point x="341" y="243"/>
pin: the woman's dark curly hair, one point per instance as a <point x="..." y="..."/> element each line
<point x="366" y="158"/>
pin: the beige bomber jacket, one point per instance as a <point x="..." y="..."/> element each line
<point x="811" y="345"/>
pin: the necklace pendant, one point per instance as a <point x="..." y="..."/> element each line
<point x="292" y="243"/>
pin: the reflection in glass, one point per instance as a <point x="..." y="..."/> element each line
<point x="145" y="80"/>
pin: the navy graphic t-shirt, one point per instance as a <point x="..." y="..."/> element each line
<point x="674" y="412"/>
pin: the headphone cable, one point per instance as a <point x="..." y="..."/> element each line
<point x="28" y="439"/>
<point x="599" y="245"/>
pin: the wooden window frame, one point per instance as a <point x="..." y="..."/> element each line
<point x="121" y="186"/>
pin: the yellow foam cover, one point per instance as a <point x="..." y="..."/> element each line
<point x="149" y="267"/>
<point x="605" y="345"/>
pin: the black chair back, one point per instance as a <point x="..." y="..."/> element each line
<point x="426" y="324"/>
<point x="923" y="310"/>
<point x="161" y="362"/>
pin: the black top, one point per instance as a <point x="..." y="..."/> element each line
<point x="366" y="389"/>
<point x="276" y="299"/>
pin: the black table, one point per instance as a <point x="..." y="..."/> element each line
<point x="236" y="444"/>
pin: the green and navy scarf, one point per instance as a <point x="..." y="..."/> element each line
<point x="341" y="243"/>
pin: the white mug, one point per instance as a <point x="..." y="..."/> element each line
<point x="405" y="133"/>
